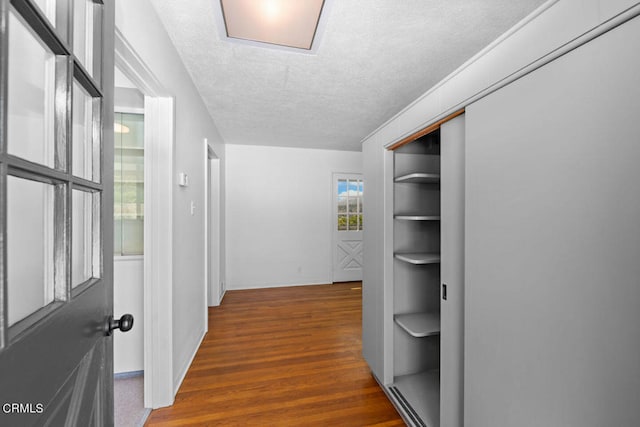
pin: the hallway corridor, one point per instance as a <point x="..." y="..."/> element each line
<point x="282" y="357"/>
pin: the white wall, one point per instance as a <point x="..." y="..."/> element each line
<point x="141" y="26"/>
<point x="278" y="210"/>
<point x="128" y="298"/>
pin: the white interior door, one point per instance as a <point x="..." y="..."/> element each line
<point x="347" y="227"/>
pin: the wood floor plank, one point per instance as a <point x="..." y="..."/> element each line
<point x="282" y="357"/>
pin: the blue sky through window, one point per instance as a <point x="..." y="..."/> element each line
<point x="353" y="187"/>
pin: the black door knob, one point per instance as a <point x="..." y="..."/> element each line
<point x="125" y="323"/>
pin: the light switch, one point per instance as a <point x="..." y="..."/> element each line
<point x="183" y="179"/>
<point x="193" y="208"/>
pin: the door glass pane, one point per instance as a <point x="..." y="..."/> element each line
<point x="48" y="7"/>
<point x="353" y="204"/>
<point x="342" y="195"/>
<point x="83" y="32"/>
<point x="82" y="132"/>
<point x="30" y="101"/>
<point x="342" y="204"/>
<point x="342" y="222"/>
<point x="29" y="247"/>
<point x="353" y="222"/>
<point x="352" y="193"/>
<point x="82" y="237"/>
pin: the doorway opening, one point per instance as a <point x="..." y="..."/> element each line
<point x="128" y="256"/>
<point x="215" y="285"/>
<point x="157" y="207"/>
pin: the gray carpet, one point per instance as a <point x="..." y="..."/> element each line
<point x="128" y="392"/>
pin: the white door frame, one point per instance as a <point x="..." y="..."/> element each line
<point x="158" y="225"/>
<point x="212" y="250"/>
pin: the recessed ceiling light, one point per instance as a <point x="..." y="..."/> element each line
<point x="291" y="23"/>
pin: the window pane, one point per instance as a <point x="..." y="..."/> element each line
<point x="132" y="130"/>
<point x="117" y="185"/>
<point x="82" y="132"/>
<point x="83" y="32"/>
<point x="82" y="237"/>
<point x="129" y="184"/>
<point x="353" y="222"/>
<point x="353" y="205"/>
<point x="360" y="222"/>
<point x="29" y="247"/>
<point x="342" y="222"/>
<point x="30" y="101"/>
<point x="342" y="204"/>
<point x="342" y="187"/>
<point x="132" y="218"/>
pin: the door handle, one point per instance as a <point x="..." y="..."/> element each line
<point x="124" y="323"/>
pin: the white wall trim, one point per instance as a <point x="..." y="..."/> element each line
<point x="281" y="285"/>
<point x="158" y="225"/>
<point x="212" y="226"/>
<point x="134" y="68"/>
<point x="388" y="294"/>
<point x="158" y="248"/>
<point x="206" y="220"/>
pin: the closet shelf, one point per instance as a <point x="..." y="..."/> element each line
<point x="419" y="258"/>
<point x="418" y="217"/>
<point x="422" y="392"/>
<point x="419" y="325"/>
<point x="419" y="178"/>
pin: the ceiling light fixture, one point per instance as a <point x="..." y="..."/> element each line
<point x="289" y="23"/>
<point x="118" y="128"/>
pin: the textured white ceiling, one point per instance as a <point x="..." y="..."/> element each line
<point x="375" y="57"/>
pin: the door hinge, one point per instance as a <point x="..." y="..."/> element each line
<point x="444" y="291"/>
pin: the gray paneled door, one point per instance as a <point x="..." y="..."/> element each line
<point x="56" y="191"/>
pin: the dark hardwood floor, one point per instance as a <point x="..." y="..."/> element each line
<point x="282" y="357"/>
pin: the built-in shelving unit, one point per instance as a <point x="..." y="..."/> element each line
<point x="416" y="285"/>
<point x="418" y="217"/>
<point x="419" y="258"/>
<point x="419" y="178"/>
<point x="423" y="387"/>
<point x="419" y="324"/>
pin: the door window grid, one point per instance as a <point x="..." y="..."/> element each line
<point x="349" y="204"/>
<point x="39" y="19"/>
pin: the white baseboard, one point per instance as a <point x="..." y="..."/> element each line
<point x="128" y="374"/>
<point x="183" y="372"/>
<point x="276" y="285"/>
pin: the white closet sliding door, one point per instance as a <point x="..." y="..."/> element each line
<point x="553" y="243"/>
